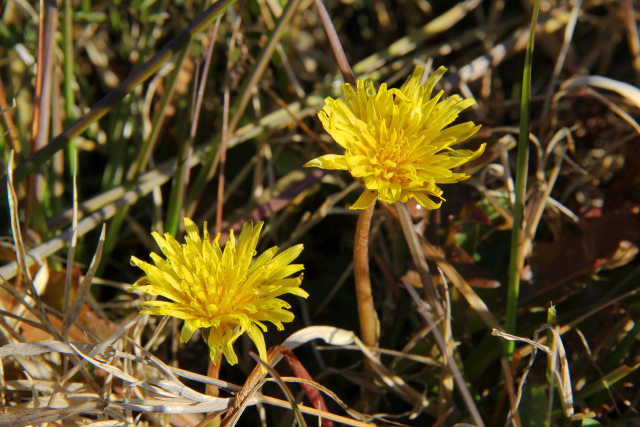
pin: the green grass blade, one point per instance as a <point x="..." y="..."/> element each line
<point x="103" y="106"/>
<point x="513" y="289"/>
<point x="67" y="69"/>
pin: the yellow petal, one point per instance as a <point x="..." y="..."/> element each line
<point x="398" y="142"/>
<point x="229" y="291"/>
<point x="188" y="329"/>
<point x="258" y="339"/>
<point x="329" y="161"/>
<point x="425" y="201"/>
<point x="365" y="200"/>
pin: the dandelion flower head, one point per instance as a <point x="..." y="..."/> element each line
<point x="230" y="291"/>
<point x="397" y="141"/>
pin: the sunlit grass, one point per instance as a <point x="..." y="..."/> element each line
<point x="172" y="114"/>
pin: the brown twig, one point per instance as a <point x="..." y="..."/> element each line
<point x="7" y="122"/>
<point x="336" y="46"/>
<point x="42" y="105"/>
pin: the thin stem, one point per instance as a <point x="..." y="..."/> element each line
<point x="208" y="170"/>
<point x="41" y="119"/>
<point x="369" y="328"/>
<point x="513" y="286"/>
<point x="67" y="68"/>
<point x="176" y="198"/>
<point x="336" y="45"/>
<point x="183" y="172"/>
<point x="457" y="376"/>
<point x="225" y="127"/>
<point x="418" y="258"/>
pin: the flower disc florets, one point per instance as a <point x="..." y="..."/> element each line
<point x="397" y="140"/>
<point x="229" y="291"/>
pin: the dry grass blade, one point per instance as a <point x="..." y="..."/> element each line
<point x="146" y="184"/>
<point x="626" y="90"/>
<point x="285" y="389"/>
<point x="46" y="415"/>
<point x="329" y="334"/>
<point x="462" y="387"/>
<point x="632" y="35"/>
<point x="418" y="259"/>
<point x="394" y="382"/>
<point x="262" y="62"/>
<point x="71" y="315"/>
<point x="72" y="244"/>
<point x="406" y="44"/>
<point x="172" y="396"/>
<point x="559" y="365"/>
<point x="255" y="380"/>
<point x="566" y="44"/>
<point x="21" y="256"/>
<point x="476" y="303"/>
<point x="240" y="104"/>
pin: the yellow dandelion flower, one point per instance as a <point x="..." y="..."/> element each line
<point x="230" y="291"/>
<point x="397" y="140"/>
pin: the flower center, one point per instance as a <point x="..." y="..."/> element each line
<point x="388" y="161"/>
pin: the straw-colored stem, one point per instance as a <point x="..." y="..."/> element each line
<point x="451" y="364"/>
<point x="418" y="259"/>
<point x="366" y="312"/>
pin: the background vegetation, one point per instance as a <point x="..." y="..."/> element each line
<point x="150" y="110"/>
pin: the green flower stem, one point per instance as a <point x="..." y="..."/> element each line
<point x="369" y="327"/>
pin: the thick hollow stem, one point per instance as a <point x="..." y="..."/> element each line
<point x="212" y="390"/>
<point x="213" y="372"/>
<point x="366" y="312"/>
